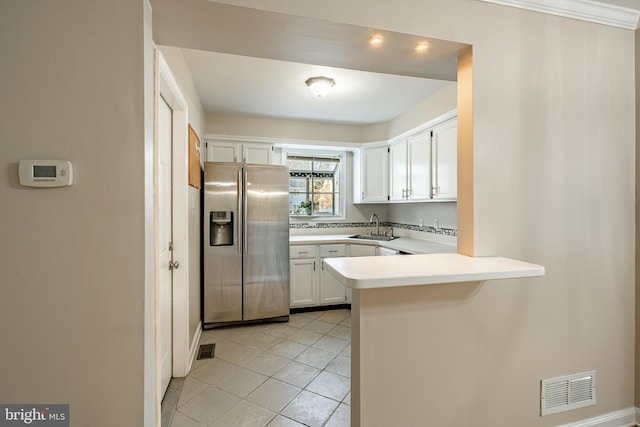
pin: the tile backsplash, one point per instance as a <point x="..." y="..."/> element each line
<point x="411" y="227"/>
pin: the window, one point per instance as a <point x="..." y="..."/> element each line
<point x="315" y="185"/>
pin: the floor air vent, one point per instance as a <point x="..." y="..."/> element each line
<point x="206" y="351"/>
<point x="568" y="392"/>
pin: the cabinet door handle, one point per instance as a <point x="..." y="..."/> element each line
<point x="314" y="266"/>
<point x="333" y="252"/>
<point x="403" y="191"/>
<point x="303" y="253"/>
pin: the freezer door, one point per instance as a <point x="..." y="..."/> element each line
<point x="266" y="242"/>
<point x="222" y="293"/>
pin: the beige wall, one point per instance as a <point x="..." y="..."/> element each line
<point x="73" y="259"/>
<point x="428" y="109"/>
<point x="553" y="169"/>
<point x="196" y="118"/>
<point x="218" y="124"/>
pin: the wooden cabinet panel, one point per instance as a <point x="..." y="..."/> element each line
<point x="194" y="159"/>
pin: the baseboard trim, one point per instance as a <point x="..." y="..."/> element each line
<point x="194" y="347"/>
<point x="623" y="418"/>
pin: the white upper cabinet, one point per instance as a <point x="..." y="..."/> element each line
<point x="410" y="168"/>
<point x="444" y="148"/>
<point x="247" y="152"/>
<point x="422" y="166"/>
<point x="257" y="153"/>
<point x="374" y="174"/>
<point x="419" y="167"/>
<point x="223" y="151"/>
<point x="398" y="171"/>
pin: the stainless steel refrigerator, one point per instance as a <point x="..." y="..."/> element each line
<point x="246" y="243"/>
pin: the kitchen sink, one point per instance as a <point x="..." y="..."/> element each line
<point x="373" y="237"/>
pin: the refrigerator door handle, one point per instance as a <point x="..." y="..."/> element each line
<point x="245" y="240"/>
<point x="237" y="225"/>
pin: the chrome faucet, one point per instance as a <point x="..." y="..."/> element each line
<point x="374" y="216"/>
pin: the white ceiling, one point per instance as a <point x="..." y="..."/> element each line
<point x="233" y="84"/>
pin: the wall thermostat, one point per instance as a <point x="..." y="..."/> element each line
<point x="45" y="173"/>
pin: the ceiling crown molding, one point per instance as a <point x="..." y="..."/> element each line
<point x="585" y="10"/>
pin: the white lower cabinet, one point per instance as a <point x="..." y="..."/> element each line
<point x="310" y="284"/>
<point x="360" y="250"/>
<point x="303" y="275"/>
<point x="302" y="282"/>
<point x="331" y="290"/>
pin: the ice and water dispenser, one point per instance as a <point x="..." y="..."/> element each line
<point x="221" y="228"/>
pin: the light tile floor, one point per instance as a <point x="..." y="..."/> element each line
<point x="275" y="375"/>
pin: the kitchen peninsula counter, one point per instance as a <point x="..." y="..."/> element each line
<point x="422" y="322"/>
<point x="425" y="269"/>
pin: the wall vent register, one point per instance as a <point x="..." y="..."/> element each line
<point x="568" y="392"/>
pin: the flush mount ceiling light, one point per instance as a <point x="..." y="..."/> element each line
<point x="320" y="86"/>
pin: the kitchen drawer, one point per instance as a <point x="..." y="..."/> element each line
<point x="331" y="251"/>
<point x="302" y="251"/>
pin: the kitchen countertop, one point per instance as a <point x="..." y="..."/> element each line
<point x="426" y="269"/>
<point x="412" y="246"/>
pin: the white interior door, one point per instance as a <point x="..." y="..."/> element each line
<point x="164" y="273"/>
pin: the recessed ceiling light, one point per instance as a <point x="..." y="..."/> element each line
<point x="376" y="40"/>
<point x="422" y="47"/>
